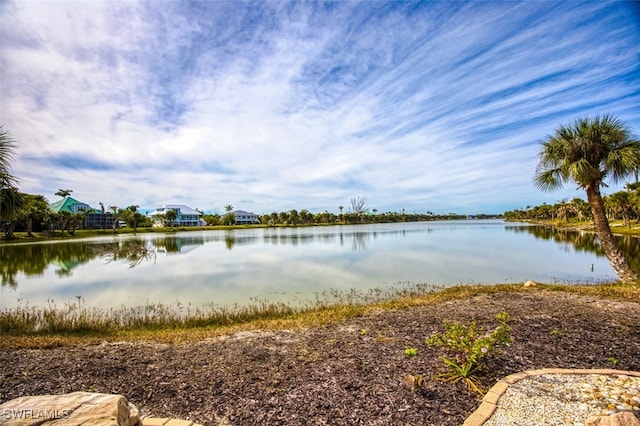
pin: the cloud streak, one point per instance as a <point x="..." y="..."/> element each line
<point x="277" y="105"/>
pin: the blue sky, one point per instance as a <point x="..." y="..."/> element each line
<point x="273" y="105"/>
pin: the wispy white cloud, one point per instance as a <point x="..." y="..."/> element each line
<point x="279" y="105"/>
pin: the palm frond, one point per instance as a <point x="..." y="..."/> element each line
<point x="549" y="180"/>
<point x="623" y="162"/>
<point x="587" y="151"/>
<point x="7" y="156"/>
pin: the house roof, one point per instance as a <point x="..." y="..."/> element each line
<point x="183" y="209"/>
<point x="242" y="212"/>
<point x="65" y="204"/>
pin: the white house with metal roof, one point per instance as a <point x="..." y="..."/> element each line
<point x="185" y="216"/>
<point x="245" y="218"/>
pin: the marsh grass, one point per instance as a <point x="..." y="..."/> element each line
<point x="74" y="322"/>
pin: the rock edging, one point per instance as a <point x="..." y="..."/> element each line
<point x="491" y="399"/>
<point x="76" y="409"/>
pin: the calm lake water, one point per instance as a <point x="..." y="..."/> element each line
<point x="295" y="264"/>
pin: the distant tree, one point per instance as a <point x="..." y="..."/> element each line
<point x="587" y="152"/>
<point x="10" y="207"/>
<point x="359" y="205"/>
<point x="228" y="208"/>
<point x="80" y="218"/>
<point x="66" y="221"/>
<point x="134" y="216"/>
<point x="63" y="192"/>
<point x="306" y="216"/>
<point x="212" y="219"/>
<point x="114" y="213"/>
<point x="563" y="210"/>
<point x="274" y="218"/>
<point x="620" y="204"/>
<point x="229" y="218"/>
<point x="283" y="217"/>
<point x="35" y="208"/>
<point x="294" y="217"/>
<point x="580" y="208"/>
<point x="170" y="216"/>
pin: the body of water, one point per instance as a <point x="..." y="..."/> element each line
<point x="244" y="265"/>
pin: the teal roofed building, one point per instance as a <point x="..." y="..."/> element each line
<point x="91" y="219"/>
<point x="68" y="204"/>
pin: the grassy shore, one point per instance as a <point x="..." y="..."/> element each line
<point x="617" y="226"/>
<point x="74" y="324"/>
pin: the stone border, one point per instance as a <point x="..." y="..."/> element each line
<point x="490" y="400"/>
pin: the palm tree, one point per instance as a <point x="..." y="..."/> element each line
<point x="7" y="156"/>
<point x="587" y="152"/>
<point x="228" y="208"/>
<point x="114" y="212"/>
<point x="170" y="216"/>
<point x="63" y="192"/>
<point x="10" y="199"/>
<point x="620" y="203"/>
<point x="135" y="215"/>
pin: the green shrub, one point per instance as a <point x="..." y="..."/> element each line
<point x="467" y="348"/>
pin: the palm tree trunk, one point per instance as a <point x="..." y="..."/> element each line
<point x="617" y="260"/>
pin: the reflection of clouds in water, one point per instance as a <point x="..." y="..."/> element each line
<point x="200" y="267"/>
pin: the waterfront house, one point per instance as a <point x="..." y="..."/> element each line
<point x="92" y="218"/>
<point x="245" y="218"/>
<point x="71" y="205"/>
<point x="185" y="216"/>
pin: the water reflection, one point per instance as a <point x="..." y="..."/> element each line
<point x="306" y="236"/>
<point x="33" y="259"/>
<point x="131" y="252"/>
<point x="228" y="267"/>
<point x="583" y="241"/>
<point x="177" y="244"/>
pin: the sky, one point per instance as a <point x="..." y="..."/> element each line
<point x="276" y="105"/>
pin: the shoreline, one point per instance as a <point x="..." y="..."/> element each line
<point x="77" y="330"/>
<point x="341" y="372"/>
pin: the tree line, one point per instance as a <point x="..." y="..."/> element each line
<point x="621" y="205"/>
<point x="296" y="217"/>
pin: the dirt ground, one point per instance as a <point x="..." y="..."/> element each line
<point x="349" y="373"/>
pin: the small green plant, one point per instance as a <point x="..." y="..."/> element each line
<point x="467" y="348"/>
<point x="363" y="332"/>
<point x="555" y="332"/>
<point x="613" y="360"/>
<point x="411" y="352"/>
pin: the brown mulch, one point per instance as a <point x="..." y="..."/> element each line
<point x="349" y="373"/>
